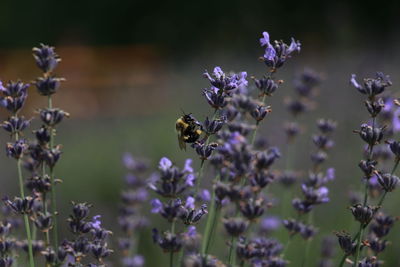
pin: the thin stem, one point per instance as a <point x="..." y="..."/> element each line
<point x="52" y="182"/>
<point x="47" y="234"/>
<point x="308" y="243"/>
<point x="171" y="254"/>
<point x="395" y="166"/>
<point x="342" y="261"/>
<point x="285" y="250"/>
<point x="362" y="226"/>
<point x="44" y="199"/>
<point x="209" y="224"/>
<point x="26" y="219"/>
<point x="213" y="227"/>
<point x="201" y="170"/>
<point x="180" y="254"/>
<point x="359" y="239"/>
<point x="231" y="257"/>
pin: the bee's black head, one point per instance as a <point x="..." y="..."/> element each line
<point x="188" y="117"/>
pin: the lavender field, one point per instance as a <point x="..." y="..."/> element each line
<point x="277" y="149"/>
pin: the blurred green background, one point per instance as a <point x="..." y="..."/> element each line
<point x="132" y="65"/>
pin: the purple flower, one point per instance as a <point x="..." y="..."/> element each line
<point x="396" y="120"/>
<point x="191" y="231"/>
<point x="205" y="195"/>
<point x="189" y="204"/>
<point x="164" y="164"/>
<point x="294" y="46"/>
<point x="45" y="57"/>
<point x="128" y="161"/>
<point x="188" y="166"/>
<point x="315" y="196"/>
<point x="330" y="174"/>
<point x="215" y="98"/>
<point x="388" y="105"/>
<point x="354" y="82"/>
<point x="226" y="82"/>
<point x="48" y="85"/>
<point x="135" y="261"/>
<point x="156" y="205"/>
<point x="15" y="94"/>
<point x="372" y="86"/>
<point x="96" y="223"/>
<point x="190" y="179"/>
<point x="275" y="55"/>
<point x="270" y="223"/>
<point x="264" y="41"/>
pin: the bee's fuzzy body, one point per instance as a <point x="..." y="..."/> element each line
<point x="188" y="129"/>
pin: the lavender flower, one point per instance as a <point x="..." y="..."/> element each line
<point x="372" y="86"/>
<point x="277" y="53"/>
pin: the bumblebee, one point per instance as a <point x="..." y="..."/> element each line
<point x="188" y="129"/>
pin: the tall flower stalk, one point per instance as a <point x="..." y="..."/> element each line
<point x="13" y="99"/>
<point x="131" y="218"/>
<point x="234" y="158"/>
<point x="372" y="134"/>
<point x="47" y="60"/>
<point x="178" y="205"/>
<point x="314" y="189"/>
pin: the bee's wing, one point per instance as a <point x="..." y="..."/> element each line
<point x="182" y="144"/>
<point x="179" y="131"/>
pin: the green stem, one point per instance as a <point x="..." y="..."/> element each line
<point x="181" y="252"/>
<point x="196" y="190"/>
<point x="53" y="188"/>
<point x="44" y="199"/>
<point x="47" y="234"/>
<point x="359" y="239"/>
<point x="209" y="224"/>
<point x="171" y="254"/>
<point x="213" y="227"/>
<point x="308" y="243"/>
<point x="26" y="219"/>
<point x="365" y="203"/>
<point x="231" y="257"/>
<point x="285" y="250"/>
<point x="342" y="261"/>
<point x="395" y="166"/>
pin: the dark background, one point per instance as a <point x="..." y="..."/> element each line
<point x="132" y="65"/>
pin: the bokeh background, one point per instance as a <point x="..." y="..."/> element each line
<point x="131" y="66"/>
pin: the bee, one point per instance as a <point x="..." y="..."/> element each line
<point x="188" y="129"/>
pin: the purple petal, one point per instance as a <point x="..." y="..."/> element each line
<point x="189" y="202"/>
<point x="205" y="195"/>
<point x="330" y="174"/>
<point x="156" y="205"/>
<point x="270" y="52"/>
<point x="218" y="73"/>
<point x="164" y="164"/>
<point x="294" y="45"/>
<point x="192" y="232"/>
<point x="128" y="161"/>
<point x="190" y="178"/>
<point x="96" y="223"/>
<point x="270" y="223"/>
<point x="396" y="120"/>
<point x="188" y="166"/>
<point x="354" y="82"/>
<point x="265" y="40"/>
